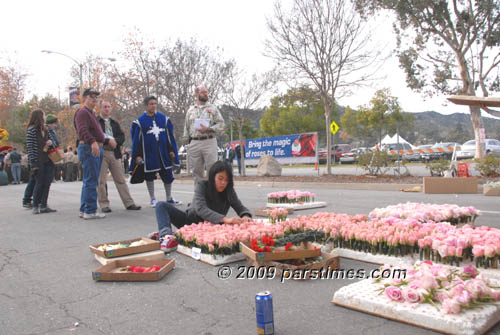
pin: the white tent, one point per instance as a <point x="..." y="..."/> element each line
<point x="394" y="139"/>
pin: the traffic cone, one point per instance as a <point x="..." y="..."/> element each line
<point x="316" y="166"/>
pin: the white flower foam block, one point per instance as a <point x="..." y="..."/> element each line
<point x="363" y="296"/>
<point x="305" y="205"/>
<point x="210" y="259"/>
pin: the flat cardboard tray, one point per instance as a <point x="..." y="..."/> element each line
<point x="262" y="211"/>
<point x="146" y="256"/>
<point x="363" y="296"/>
<point x="109" y="272"/>
<point x="150" y="246"/>
<point x="443" y="185"/>
<point x="299" y="206"/>
<point x="302" y="272"/>
<point x="491" y="191"/>
<point x="208" y="258"/>
<point x="308" y="250"/>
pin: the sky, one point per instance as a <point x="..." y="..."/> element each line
<point x="99" y="27"/>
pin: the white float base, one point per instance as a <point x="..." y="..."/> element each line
<point x="305" y="205"/>
<point x="363" y="296"/>
<point x="211" y="259"/>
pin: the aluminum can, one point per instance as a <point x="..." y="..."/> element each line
<point x="264" y="312"/>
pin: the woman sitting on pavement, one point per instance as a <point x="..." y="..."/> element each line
<point x="211" y="202"/>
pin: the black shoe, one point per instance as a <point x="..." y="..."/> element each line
<point x="106" y="210"/>
<point x="47" y="210"/>
<point x="133" y="208"/>
<point x="28" y="205"/>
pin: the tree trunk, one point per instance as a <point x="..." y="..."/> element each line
<point x="477" y="124"/>
<point x="242" y="148"/>
<point x="328" y="137"/>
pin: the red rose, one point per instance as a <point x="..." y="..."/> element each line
<point x="271" y="241"/>
<point x="288" y="246"/>
<point x="267" y="249"/>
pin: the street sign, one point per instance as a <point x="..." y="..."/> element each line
<point x="334" y="127"/>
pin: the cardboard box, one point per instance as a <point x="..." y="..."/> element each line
<point x="302" y="272"/>
<point x="109" y="272"/>
<point x="491" y="191"/>
<point x="262" y="211"/>
<point x="308" y="250"/>
<point x="442" y="185"/>
<point x="150" y="246"/>
<point x="146" y="256"/>
<point x="196" y="254"/>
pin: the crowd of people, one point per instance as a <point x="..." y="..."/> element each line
<point x="154" y="153"/>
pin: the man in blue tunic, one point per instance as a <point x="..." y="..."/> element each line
<point x="154" y="148"/>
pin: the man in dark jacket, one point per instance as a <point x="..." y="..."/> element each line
<point x="111" y="161"/>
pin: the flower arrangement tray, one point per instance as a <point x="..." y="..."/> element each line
<point x="109" y="272"/>
<point x="309" y="250"/>
<point x="209" y="258"/>
<point x="147" y="256"/>
<point x="299" y="206"/>
<point x="392" y="260"/>
<point x="363" y="296"/>
<point x="491" y="191"/>
<point x="149" y="246"/>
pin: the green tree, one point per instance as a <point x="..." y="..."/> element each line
<point x="297" y="111"/>
<point x="450" y="47"/>
<point x="249" y="130"/>
<point x="17" y="123"/>
<point x="381" y="116"/>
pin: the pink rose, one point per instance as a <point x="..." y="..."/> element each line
<point x="495" y="295"/>
<point x="442" y="296"/>
<point x="394" y="293"/>
<point x="427" y="282"/>
<point x="471" y="271"/>
<point x="464" y="298"/>
<point x="451" y="306"/>
<point x="478" y="251"/>
<point x="411" y="295"/>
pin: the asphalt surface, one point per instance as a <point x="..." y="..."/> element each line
<point x="46" y="285"/>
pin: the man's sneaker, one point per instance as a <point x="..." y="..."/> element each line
<point x="80" y="215"/>
<point x="47" y="210"/>
<point x="93" y="216"/>
<point x="168" y="243"/>
<point x="153" y="236"/>
<point x="173" y="201"/>
<point x="36" y="210"/>
<point x="106" y="210"/>
<point x="153" y="203"/>
<point x="27" y="205"/>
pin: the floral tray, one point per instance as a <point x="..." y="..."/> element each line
<point x="299" y="206"/>
<point x="195" y="253"/>
<point x="364" y="296"/>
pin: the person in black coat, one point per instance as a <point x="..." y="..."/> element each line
<point x="211" y="202"/>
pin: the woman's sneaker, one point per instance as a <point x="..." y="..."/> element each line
<point x="93" y="216"/>
<point x="153" y="203"/>
<point x="168" y="243"/>
<point x="153" y="236"/>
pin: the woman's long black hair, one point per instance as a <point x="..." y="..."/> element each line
<point x="219" y="166"/>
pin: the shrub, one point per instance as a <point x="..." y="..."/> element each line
<point x="438" y="167"/>
<point x="489" y="166"/>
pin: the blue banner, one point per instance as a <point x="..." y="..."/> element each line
<point x="297" y="148"/>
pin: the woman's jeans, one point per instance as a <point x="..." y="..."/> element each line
<point x="166" y="215"/>
<point x="91" y="168"/>
<point x="43" y="179"/>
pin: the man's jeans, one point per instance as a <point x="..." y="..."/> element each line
<point x="91" y="168"/>
<point x="166" y="214"/>
<point x="16" y="172"/>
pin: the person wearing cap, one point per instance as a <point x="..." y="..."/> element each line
<point x="203" y="122"/>
<point x="51" y="121"/>
<point x="111" y="161"/>
<point x="90" y="141"/>
<point x="154" y="147"/>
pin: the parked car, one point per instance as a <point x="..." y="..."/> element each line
<point x="402" y="146"/>
<point x="351" y="156"/>
<point x="337" y="151"/>
<point x="441" y="154"/>
<point x="468" y="149"/>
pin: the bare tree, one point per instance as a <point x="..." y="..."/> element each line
<point x="244" y="95"/>
<point x="323" y="42"/>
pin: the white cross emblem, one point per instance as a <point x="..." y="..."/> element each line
<point x="155" y="130"/>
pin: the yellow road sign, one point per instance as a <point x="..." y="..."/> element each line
<point x="334" y="127"/>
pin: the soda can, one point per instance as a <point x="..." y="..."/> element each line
<point x="264" y="312"/>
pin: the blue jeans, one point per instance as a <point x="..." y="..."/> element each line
<point x="43" y="179"/>
<point x="166" y="214"/>
<point x="239" y="165"/>
<point x="30" y="187"/>
<point x="91" y="168"/>
<point x="16" y="172"/>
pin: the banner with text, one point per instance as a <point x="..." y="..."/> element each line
<point x="299" y="148"/>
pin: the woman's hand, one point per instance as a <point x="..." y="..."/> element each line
<point x="48" y="143"/>
<point x="235" y="220"/>
<point x="246" y="219"/>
